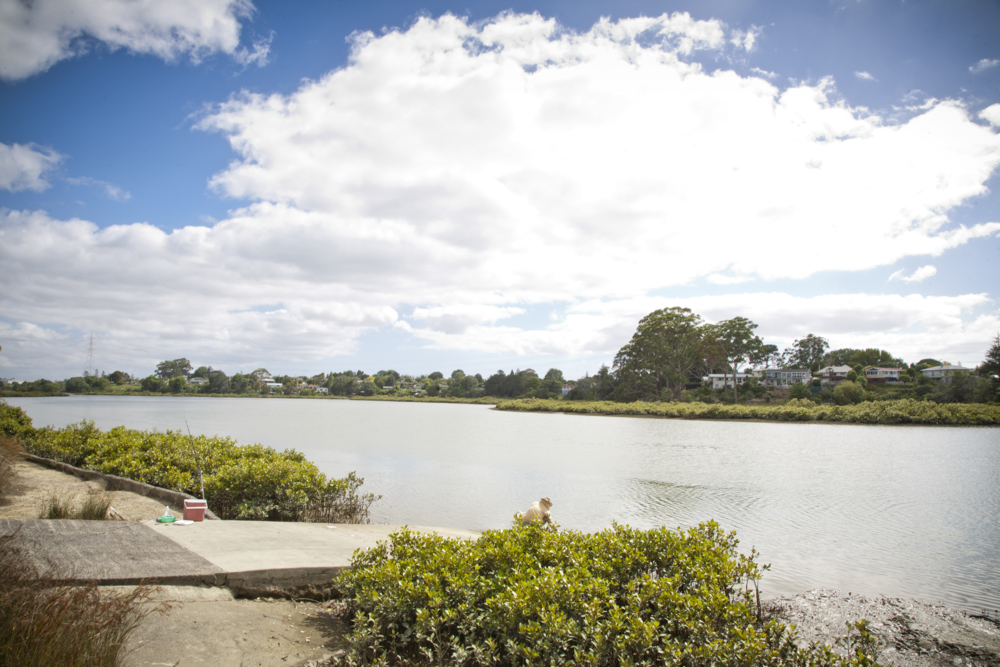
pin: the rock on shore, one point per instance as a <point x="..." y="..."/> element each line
<point x="911" y="633"/>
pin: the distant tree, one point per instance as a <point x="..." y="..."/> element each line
<point x="928" y="363"/>
<point x="807" y="352"/>
<point x="767" y="357"/>
<point x="77" y="385"/>
<point x="841" y="357"/>
<point x="119" y="378"/>
<point x="218" y="383"/>
<point x="169" y="369"/>
<point x="735" y="342"/>
<point x="202" y="372"/>
<point x="436" y="376"/>
<point x="177" y="384"/>
<point x="876" y="357"/>
<point x="493" y="386"/>
<point x="664" y="350"/>
<point x="799" y="390"/>
<point x="151" y="383"/>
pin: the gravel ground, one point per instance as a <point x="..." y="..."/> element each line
<point x="911" y="633"/>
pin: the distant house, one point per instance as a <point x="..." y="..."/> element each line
<point x="879" y="375"/>
<point x="568" y="388"/>
<point x="273" y="385"/>
<point x="198" y="381"/>
<point x="322" y="390"/>
<point x="785" y="377"/>
<point x="944" y="373"/>
<point x="835" y="374"/>
<point x="725" y="381"/>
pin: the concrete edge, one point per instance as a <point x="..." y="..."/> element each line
<point x="173" y="498"/>
<point x="289" y="583"/>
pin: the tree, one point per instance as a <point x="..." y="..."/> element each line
<point x="151" y="383"/>
<point x="218" y="383"/>
<point x="76" y="385"/>
<point x="841" y="357"/>
<point x="436" y="375"/>
<point x="875" y="357"/>
<point x="735" y="342"/>
<point x="177" y="384"/>
<point x="202" y="372"/>
<point x="119" y="378"/>
<point x="767" y="356"/>
<point x="991" y="365"/>
<point x="807" y="352"/>
<point x="170" y="369"/>
<point x="664" y="350"/>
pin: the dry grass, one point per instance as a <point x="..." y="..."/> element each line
<point x="44" y="622"/>
<point x="94" y="508"/>
<point x="10" y="452"/>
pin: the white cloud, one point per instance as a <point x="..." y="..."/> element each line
<point x="917" y="276"/>
<point x="35" y="35"/>
<point x="465" y="173"/>
<point x="865" y="76"/>
<point x="722" y="279"/>
<point x="991" y="114"/>
<point x="22" y="166"/>
<point x="764" y="72"/>
<point x="110" y="189"/>
<point x="984" y="64"/>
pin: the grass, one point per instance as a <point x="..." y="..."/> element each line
<point x="44" y="622"/>
<point x="94" y="508"/>
<point x="10" y="452"/>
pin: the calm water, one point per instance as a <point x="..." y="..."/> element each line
<point x="903" y="511"/>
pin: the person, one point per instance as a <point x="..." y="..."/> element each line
<point x="538" y="512"/>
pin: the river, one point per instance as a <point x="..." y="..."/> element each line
<point x="905" y="511"/>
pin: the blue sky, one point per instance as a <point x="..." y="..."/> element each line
<point x="428" y="186"/>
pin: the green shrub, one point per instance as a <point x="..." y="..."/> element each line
<point x="535" y="596"/>
<point x="241" y="482"/>
<point x="847" y="393"/>
<point x="903" y="411"/>
<point x="799" y="390"/>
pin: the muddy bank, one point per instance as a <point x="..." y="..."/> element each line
<point x="911" y="633"/>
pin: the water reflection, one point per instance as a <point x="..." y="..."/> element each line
<point x="904" y="511"/>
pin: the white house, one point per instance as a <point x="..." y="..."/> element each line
<point x="835" y="373"/>
<point x="944" y="373"/>
<point x="273" y="385"/>
<point x="198" y="381"/>
<point x="786" y="377"/>
<point x="725" y="380"/>
<point x="880" y="375"/>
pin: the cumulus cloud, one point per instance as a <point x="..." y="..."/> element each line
<point x="865" y="76"/>
<point x="991" y="114"/>
<point x="454" y="174"/>
<point x="22" y="166"/>
<point x="984" y="64"/>
<point x="36" y="35"/>
<point x="917" y="276"/>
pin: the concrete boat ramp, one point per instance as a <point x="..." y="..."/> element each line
<point x="251" y="558"/>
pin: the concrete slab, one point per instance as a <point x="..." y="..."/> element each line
<point x="248" y="546"/>
<point x="111" y="552"/>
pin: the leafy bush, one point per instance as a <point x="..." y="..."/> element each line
<point x="241" y="482"/>
<point x="904" y="411"/>
<point x="848" y="392"/>
<point x="532" y="596"/>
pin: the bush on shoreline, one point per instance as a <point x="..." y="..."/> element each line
<point x="531" y="595"/>
<point x="241" y="481"/>
<point x="905" y="411"/>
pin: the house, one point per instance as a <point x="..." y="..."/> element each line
<point x="834" y="374"/>
<point x="879" y="375"/>
<point x="568" y="388"/>
<point x="944" y="373"/>
<point x="785" y="377"/>
<point x="198" y="381"/>
<point x="273" y="385"/>
<point x="725" y="380"/>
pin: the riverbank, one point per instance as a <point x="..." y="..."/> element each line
<point x="905" y="411"/>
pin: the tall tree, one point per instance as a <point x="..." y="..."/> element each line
<point x="664" y="350"/>
<point x="735" y="342"/>
<point x="170" y="369"/>
<point x="873" y="356"/>
<point x="807" y="352"/>
<point x="841" y="357"/>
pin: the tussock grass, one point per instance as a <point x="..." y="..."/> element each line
<point x="94" y="508"/>
<point x="44" y="622"/>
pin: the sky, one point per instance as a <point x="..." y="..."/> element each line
<point x="321" y="186"/>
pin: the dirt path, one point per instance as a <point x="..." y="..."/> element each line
<point x="35" y="484"/>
